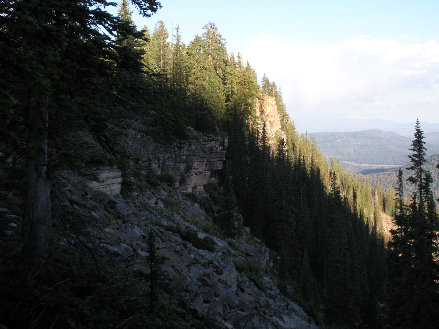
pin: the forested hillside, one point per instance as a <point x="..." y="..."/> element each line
<point x="77" y="83"/>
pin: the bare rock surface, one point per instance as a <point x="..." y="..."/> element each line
<point x="108" y="180"/>
<point x="212" y="278"/>
<point x="193" y="162"/>
<point x="268" y="113"/>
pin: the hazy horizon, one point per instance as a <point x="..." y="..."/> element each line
<point x="351" y="125"/>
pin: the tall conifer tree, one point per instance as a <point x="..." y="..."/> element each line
<point x="413" y="298"/>
<point x="61" y="43"/>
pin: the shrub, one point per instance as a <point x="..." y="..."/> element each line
<point x="81" y="149"/>
<point x="167" y="178"/>
<point x="253" y="271"/>
<point x="206" y="243"/>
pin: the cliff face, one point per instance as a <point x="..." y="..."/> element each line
<point x="107" y="180"/>
<point x="193" y="162"/>
<point x="267" y="112"/>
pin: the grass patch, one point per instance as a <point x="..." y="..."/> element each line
<point x="253" y="271"/>
<point x="171" y="205"/>
<point x="212" y="229"/>
<point x="206" y="243"/>
<point x="240" y="253"/>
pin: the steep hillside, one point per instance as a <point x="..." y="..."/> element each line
<point x="169" y="189"/>
<point x="222" y="282"/>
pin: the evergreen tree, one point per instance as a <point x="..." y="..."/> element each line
<point x="155" y="275"/>
<point x="207" y="59"/>
<point x="179" y="64"/>
<point x="413" y="297"/>
<point x="204" y="116"/>
<point x="124" y="13"/>
<point x="228" y="218"/>
<point x="215" y="48"/>
<point x="244" y="90"/>
<point x="59" y="43"/>
<point x="158" y="51"/>
<point x="129" y="80"/>
<point x="417" y="160"/>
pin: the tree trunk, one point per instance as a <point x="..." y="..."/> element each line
<point x="161" y="58"/>
<point x="38" y="219"/>
<point x="37" y="216"/>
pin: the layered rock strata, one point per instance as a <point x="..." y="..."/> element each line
<point x="194" y="162"/>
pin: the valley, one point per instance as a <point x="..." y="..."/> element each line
<point x="370" y="151"/>
<point x="375" y="155"/>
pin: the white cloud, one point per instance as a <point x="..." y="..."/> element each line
<point x="360" y="78"/>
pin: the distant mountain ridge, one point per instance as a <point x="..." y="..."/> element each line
<point x="369" y="148"/>
<point x="386" y="178"/>
<point x="330" y="124"/>
<point x="432" y="138"/>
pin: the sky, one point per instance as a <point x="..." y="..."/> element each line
<point x="341" y="65"/>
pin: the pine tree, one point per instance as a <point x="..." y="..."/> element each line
<point x="207" y="59"/>
<point x="129" y="80"/>
<point x="158" y="50"/>
<point x="59" y="44"/>
<point x="228" y="217"/>
<point x="127" y="31"/>
<point x="417" y="159"/>
<point x="179" y="63"/>
<point x="215" y="48"/>
<point x="400" y="260"/>
<point x="124" y="13"/>
<point x="413" y="269"/>
<point x="155" y="275"/>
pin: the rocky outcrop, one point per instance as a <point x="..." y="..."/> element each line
<point x="193" y="162"/>
<point x="224" y="282"/>
<point x="107" y="180"/>
<point x="197" y="162"/>
<point x="268" y="113"/>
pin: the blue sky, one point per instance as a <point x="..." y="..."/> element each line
<point x="341" y="65"/>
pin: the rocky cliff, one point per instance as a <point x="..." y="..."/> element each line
<point x="107" y="179"/>
<point x="267" y="112"/>
<point x="193" y="162"/>
<point x="224" y="282"/>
